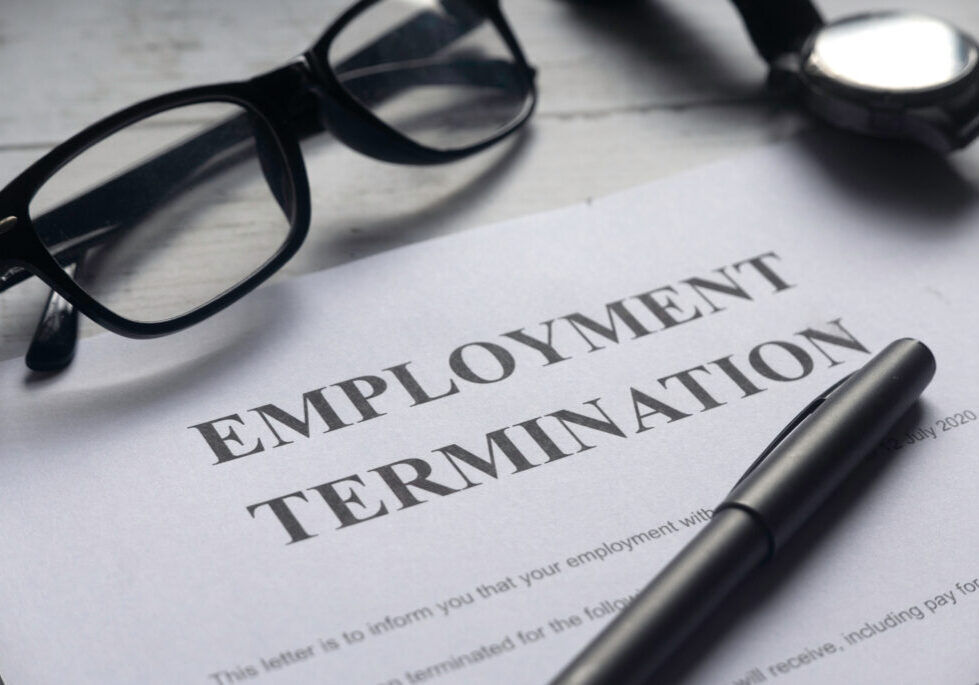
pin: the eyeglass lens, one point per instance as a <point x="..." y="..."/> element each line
<point x="439" y="72"/>
<point x="167" y="225"/>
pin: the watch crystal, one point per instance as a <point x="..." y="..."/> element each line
<point x="891" y="51"/>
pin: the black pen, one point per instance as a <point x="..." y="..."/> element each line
<point x="792" y="478"/>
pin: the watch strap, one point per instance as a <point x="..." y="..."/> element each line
<point x="777" y="27"/>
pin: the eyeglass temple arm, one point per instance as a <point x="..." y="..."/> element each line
<point x="777" y="27"/>
<point x="380" y="83"/>
<point x="53" y="344"/>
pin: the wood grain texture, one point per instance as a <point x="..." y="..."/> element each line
<point x="630" y="91"/>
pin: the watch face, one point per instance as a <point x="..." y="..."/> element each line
<point x="893" y="53"/>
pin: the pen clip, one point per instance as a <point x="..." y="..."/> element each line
<point x="792" y="425"/>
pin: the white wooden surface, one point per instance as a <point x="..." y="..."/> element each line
<point x="630" y="91"/>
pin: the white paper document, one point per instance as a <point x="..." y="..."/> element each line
<point x="456" y="462"/>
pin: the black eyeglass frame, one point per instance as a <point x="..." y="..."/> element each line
<point x="316" y="101"/>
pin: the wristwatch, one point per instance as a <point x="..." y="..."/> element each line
<point x="891" y="74"/>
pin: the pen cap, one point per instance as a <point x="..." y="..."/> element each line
<point x="803" y="470"/>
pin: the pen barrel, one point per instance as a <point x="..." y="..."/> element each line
<point x="651" y="627"/>
<point x="760" y="513"/>
<point x="805" y="468"/>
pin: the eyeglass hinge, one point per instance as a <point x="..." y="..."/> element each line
<point x="7" y="224"/>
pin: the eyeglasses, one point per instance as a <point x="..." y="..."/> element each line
<point x="214" y="175"/>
